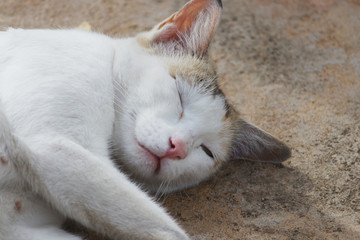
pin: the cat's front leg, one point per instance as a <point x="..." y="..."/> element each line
<point x="92" y="191"/>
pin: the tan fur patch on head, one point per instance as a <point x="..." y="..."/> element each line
<point x="191" y="67"/>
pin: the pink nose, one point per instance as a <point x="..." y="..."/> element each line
<point x="177" y="149"/>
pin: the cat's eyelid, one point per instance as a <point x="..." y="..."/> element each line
<point x="181" y="105"/>
<point x="180" y="97"/>
<point x="207" y="151"/>
<point x="181" y="100"/>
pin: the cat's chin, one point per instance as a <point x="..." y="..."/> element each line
<point x="154" y="161"/>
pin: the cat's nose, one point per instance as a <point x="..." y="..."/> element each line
<point x="177" y="149"/>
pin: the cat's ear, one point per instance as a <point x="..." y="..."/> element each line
<point x="190" y="29"/>
<point x="254" y="144"/>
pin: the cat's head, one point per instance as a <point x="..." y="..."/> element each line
<point x="177" y="128"/>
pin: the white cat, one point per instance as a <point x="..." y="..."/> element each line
<point x="75" y="105"/>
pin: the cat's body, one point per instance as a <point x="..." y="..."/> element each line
<point x="70" y="100"/>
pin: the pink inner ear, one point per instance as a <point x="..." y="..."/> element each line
<point x="182" y="21"/>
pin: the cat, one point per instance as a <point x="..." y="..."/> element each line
<point x="89" y="124"/>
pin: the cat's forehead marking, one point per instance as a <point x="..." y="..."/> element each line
<point x="190" y="66"/>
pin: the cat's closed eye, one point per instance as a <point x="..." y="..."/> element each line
<point x="207" y="150"/>
<point x="181" y="105"/>
<point x="181" y="100"/>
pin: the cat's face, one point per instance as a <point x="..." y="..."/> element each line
<point x="176" y="127"/>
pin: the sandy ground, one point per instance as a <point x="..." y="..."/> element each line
<point x="293" y="68"/>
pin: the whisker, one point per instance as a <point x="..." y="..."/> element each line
<point x="158" y="191"/>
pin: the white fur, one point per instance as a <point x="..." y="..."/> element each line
<point x="67" y="98"/>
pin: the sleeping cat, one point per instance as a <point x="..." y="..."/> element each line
<point x="76" y="105"/>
